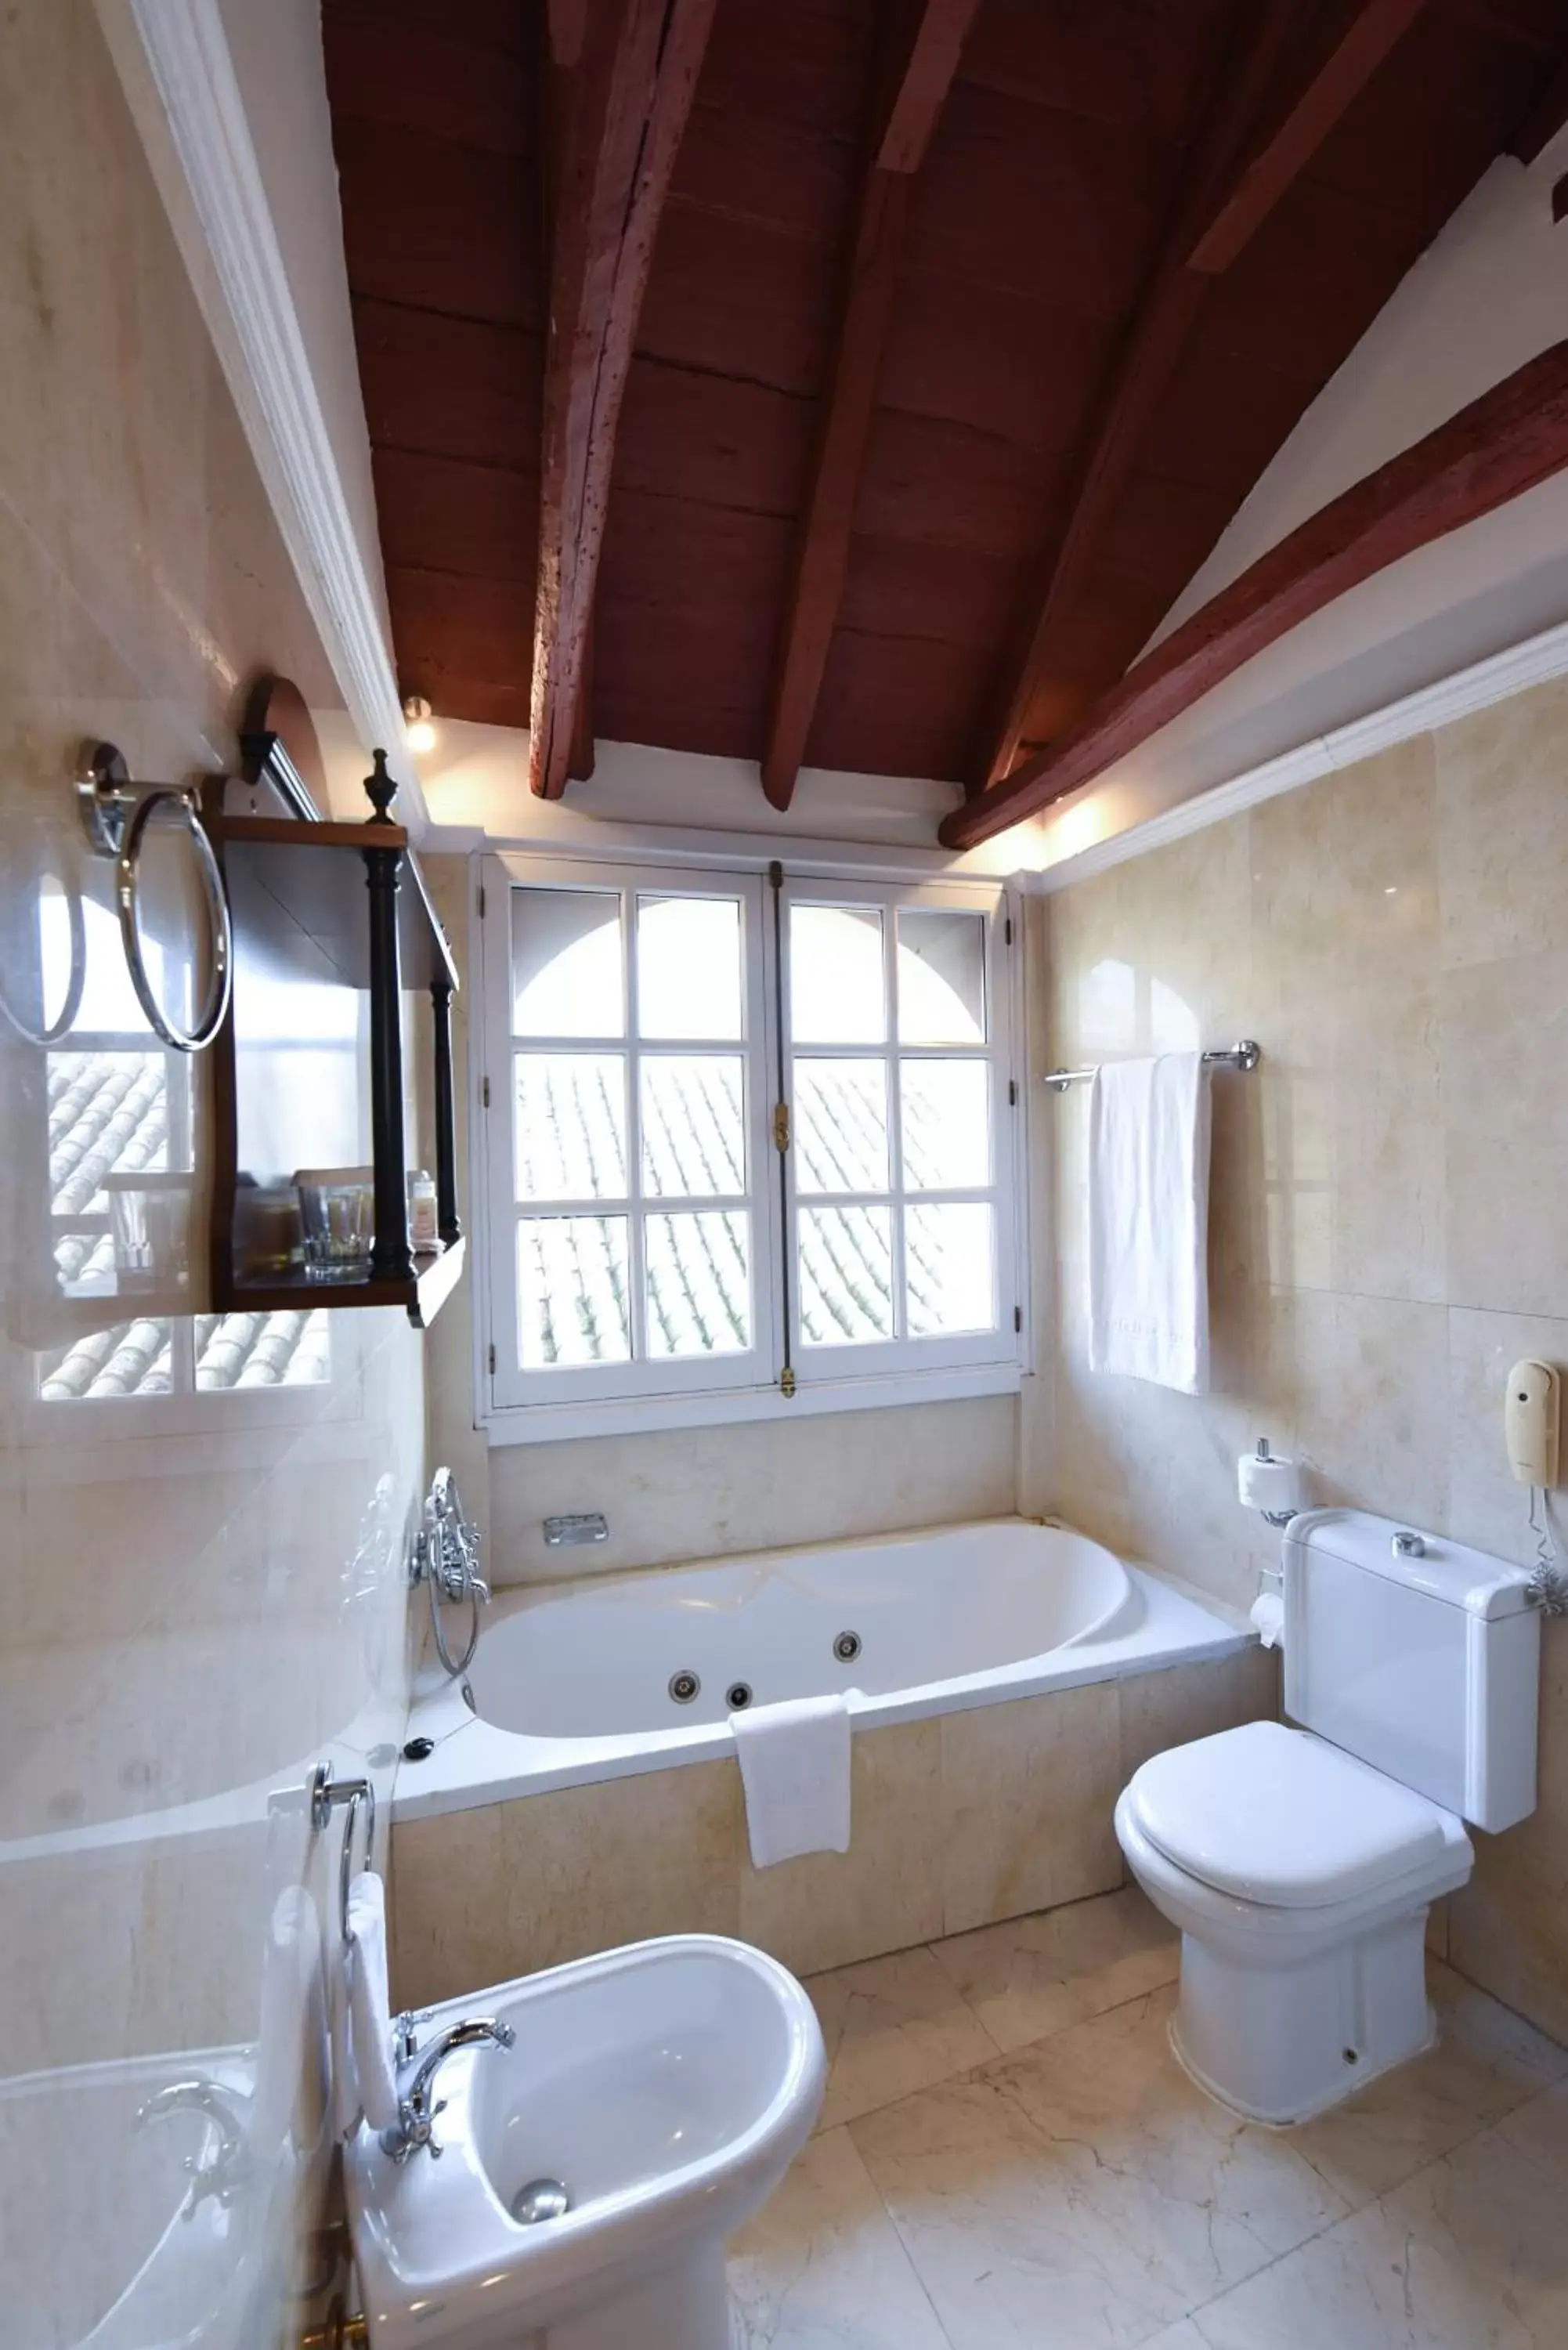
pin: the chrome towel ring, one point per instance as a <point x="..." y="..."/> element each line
<point x="115" y="815"/>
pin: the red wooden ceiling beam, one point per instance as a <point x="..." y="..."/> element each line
<point x="1222" y="206"/>
<point x="1500" y="445"/>
<point x="620" y="122"/>
<point x="822" y="558"/>
<point x="1378" y="26"/>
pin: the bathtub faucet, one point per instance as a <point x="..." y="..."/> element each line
<point x="446" y="1557"/>
<point x="414" y="2127"/>
<point x="224" y="2170"/>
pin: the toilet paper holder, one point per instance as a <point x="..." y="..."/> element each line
<point x="1275" y="1517"/>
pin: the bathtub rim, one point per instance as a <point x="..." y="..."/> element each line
<point x="477" y="1764"/>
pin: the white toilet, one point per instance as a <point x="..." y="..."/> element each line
<point x="1300" y="1863"/>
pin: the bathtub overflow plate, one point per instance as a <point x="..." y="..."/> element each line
<point x="684" y="1687"/>
<point x="847" y="1648"/>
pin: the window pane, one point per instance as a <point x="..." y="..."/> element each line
<point x="845" y="1269"/>
<point x="693" y="1126"/>
<point x="946" y="1110"/>
<point x="689" y="967"/>
<point x="698" y="1283"/>
<point x="841" y="1126"/>
<point x="837" y="994"/>
<point x="941" y="978"/>
<point x="570" y="1126"/>
<point x="567" y="964"/>
<point x="950" y="1257"/>
<point x="108" y="1115"/>
<point x="573" y="1299"/>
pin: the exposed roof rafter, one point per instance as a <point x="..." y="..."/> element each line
<point x="623" y="107"/>
<point x="902" y="133"/>
<point x="1223" y="204"/>
<point x="1500" y="445"/>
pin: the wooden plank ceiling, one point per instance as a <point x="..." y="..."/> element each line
<point x="966" y="329"/>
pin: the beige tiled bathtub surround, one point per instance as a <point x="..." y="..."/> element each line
<point x="1387" y="1234"/>
<point x="959" y="1821"/>
<point x="202" y="1592"/>
<point x="1067" y="2186"/>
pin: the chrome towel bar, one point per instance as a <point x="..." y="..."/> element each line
<point x="1244" y="1055"/>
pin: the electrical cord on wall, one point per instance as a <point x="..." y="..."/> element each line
<point x="1548" y="1583"/>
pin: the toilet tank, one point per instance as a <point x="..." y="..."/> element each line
<point x="1426" y="1664"/>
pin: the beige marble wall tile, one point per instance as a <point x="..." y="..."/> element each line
<point x="885" y="1893"/>
<point x="742" y="1487"/>
<point x="482" y="1896"/>
<point x="1370" y="1379"/>
<point x="1505" y="1031"/>
<point x="1028" y="1789"/>
<point x="1508" y="1929"/>
<point x="1345" y="874"/>
<point x="1502" y="828"/>
<point x="1187" y="1702"/>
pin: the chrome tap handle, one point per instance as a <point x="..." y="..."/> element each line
<point x="414" y="2128"/>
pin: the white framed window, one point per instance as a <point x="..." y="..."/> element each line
<point x="750" y="1145"/>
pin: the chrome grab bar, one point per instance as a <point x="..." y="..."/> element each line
<point x="325" y="1793"/>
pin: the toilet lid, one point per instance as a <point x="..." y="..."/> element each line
<point x="1281" y="1818"/>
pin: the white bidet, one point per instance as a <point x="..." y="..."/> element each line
<point x="665" y="2087"/>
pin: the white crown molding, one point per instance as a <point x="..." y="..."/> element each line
<point x="1535" y="662"/>
<point x="179" y="75"/>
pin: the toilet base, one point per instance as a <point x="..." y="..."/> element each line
<point x="683" y="2307"/>
<point x="1280" y="2043"/>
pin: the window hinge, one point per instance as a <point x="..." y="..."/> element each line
<point x="786" y="1380"/>
<point x="1013" y="1093"/>
<point x="1007" y="930"/>
<point x="492" y="1362"/>
<point x="1017" y="1323"/>
<point x="481" y="901"/>
<point x="781" y="1126"/>
<point x="484" y="1091"/>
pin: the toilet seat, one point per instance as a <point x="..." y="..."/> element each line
<point x="1276" y="1816"/>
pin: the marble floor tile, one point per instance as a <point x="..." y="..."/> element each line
<point x="892" y="2025"/>
<point x="1488" y="2061"/>
<point x="1082" y="2195"/>
<point x="1033" y="1976"/>
<point x="1470" y="2254"/>
<point x="821" y="2267"/>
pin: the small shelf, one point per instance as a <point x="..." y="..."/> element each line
<point x="434" y="1278"/>
<point x="334" y="933"/>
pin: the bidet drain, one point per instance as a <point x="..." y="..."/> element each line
<point x="847" y="1648"/>
<point x="684" y="1687"/>
<point x="738" y="1696"/>
<point x="542" y="2199"/>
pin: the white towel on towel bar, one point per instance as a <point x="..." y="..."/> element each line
<point x="1149" y="1220"/>
<point x="369" y="2034"/>
<point x="794" y="1768"/>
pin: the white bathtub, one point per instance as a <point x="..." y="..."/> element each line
<point x="580" y="1681"/>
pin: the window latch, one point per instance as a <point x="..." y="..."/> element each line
<point x="781" y="1125"/>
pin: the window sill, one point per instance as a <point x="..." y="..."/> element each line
<point x="647" y="1415"/>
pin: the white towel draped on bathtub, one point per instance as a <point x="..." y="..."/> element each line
<point x="794" y="1768"/>
<point x="1149" y="1220"/>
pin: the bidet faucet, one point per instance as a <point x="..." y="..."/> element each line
<point x="414" y="2127"/>
<point x="226" y="2170"/>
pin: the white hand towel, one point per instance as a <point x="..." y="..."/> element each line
<point x="1149" y="1220"/>
<point x="291" y="2012"/>
<point x="370" y="2033"/>
<point x="794" y="1768"/>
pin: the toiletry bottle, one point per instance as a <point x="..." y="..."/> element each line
<point x="422" y="1233"/>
